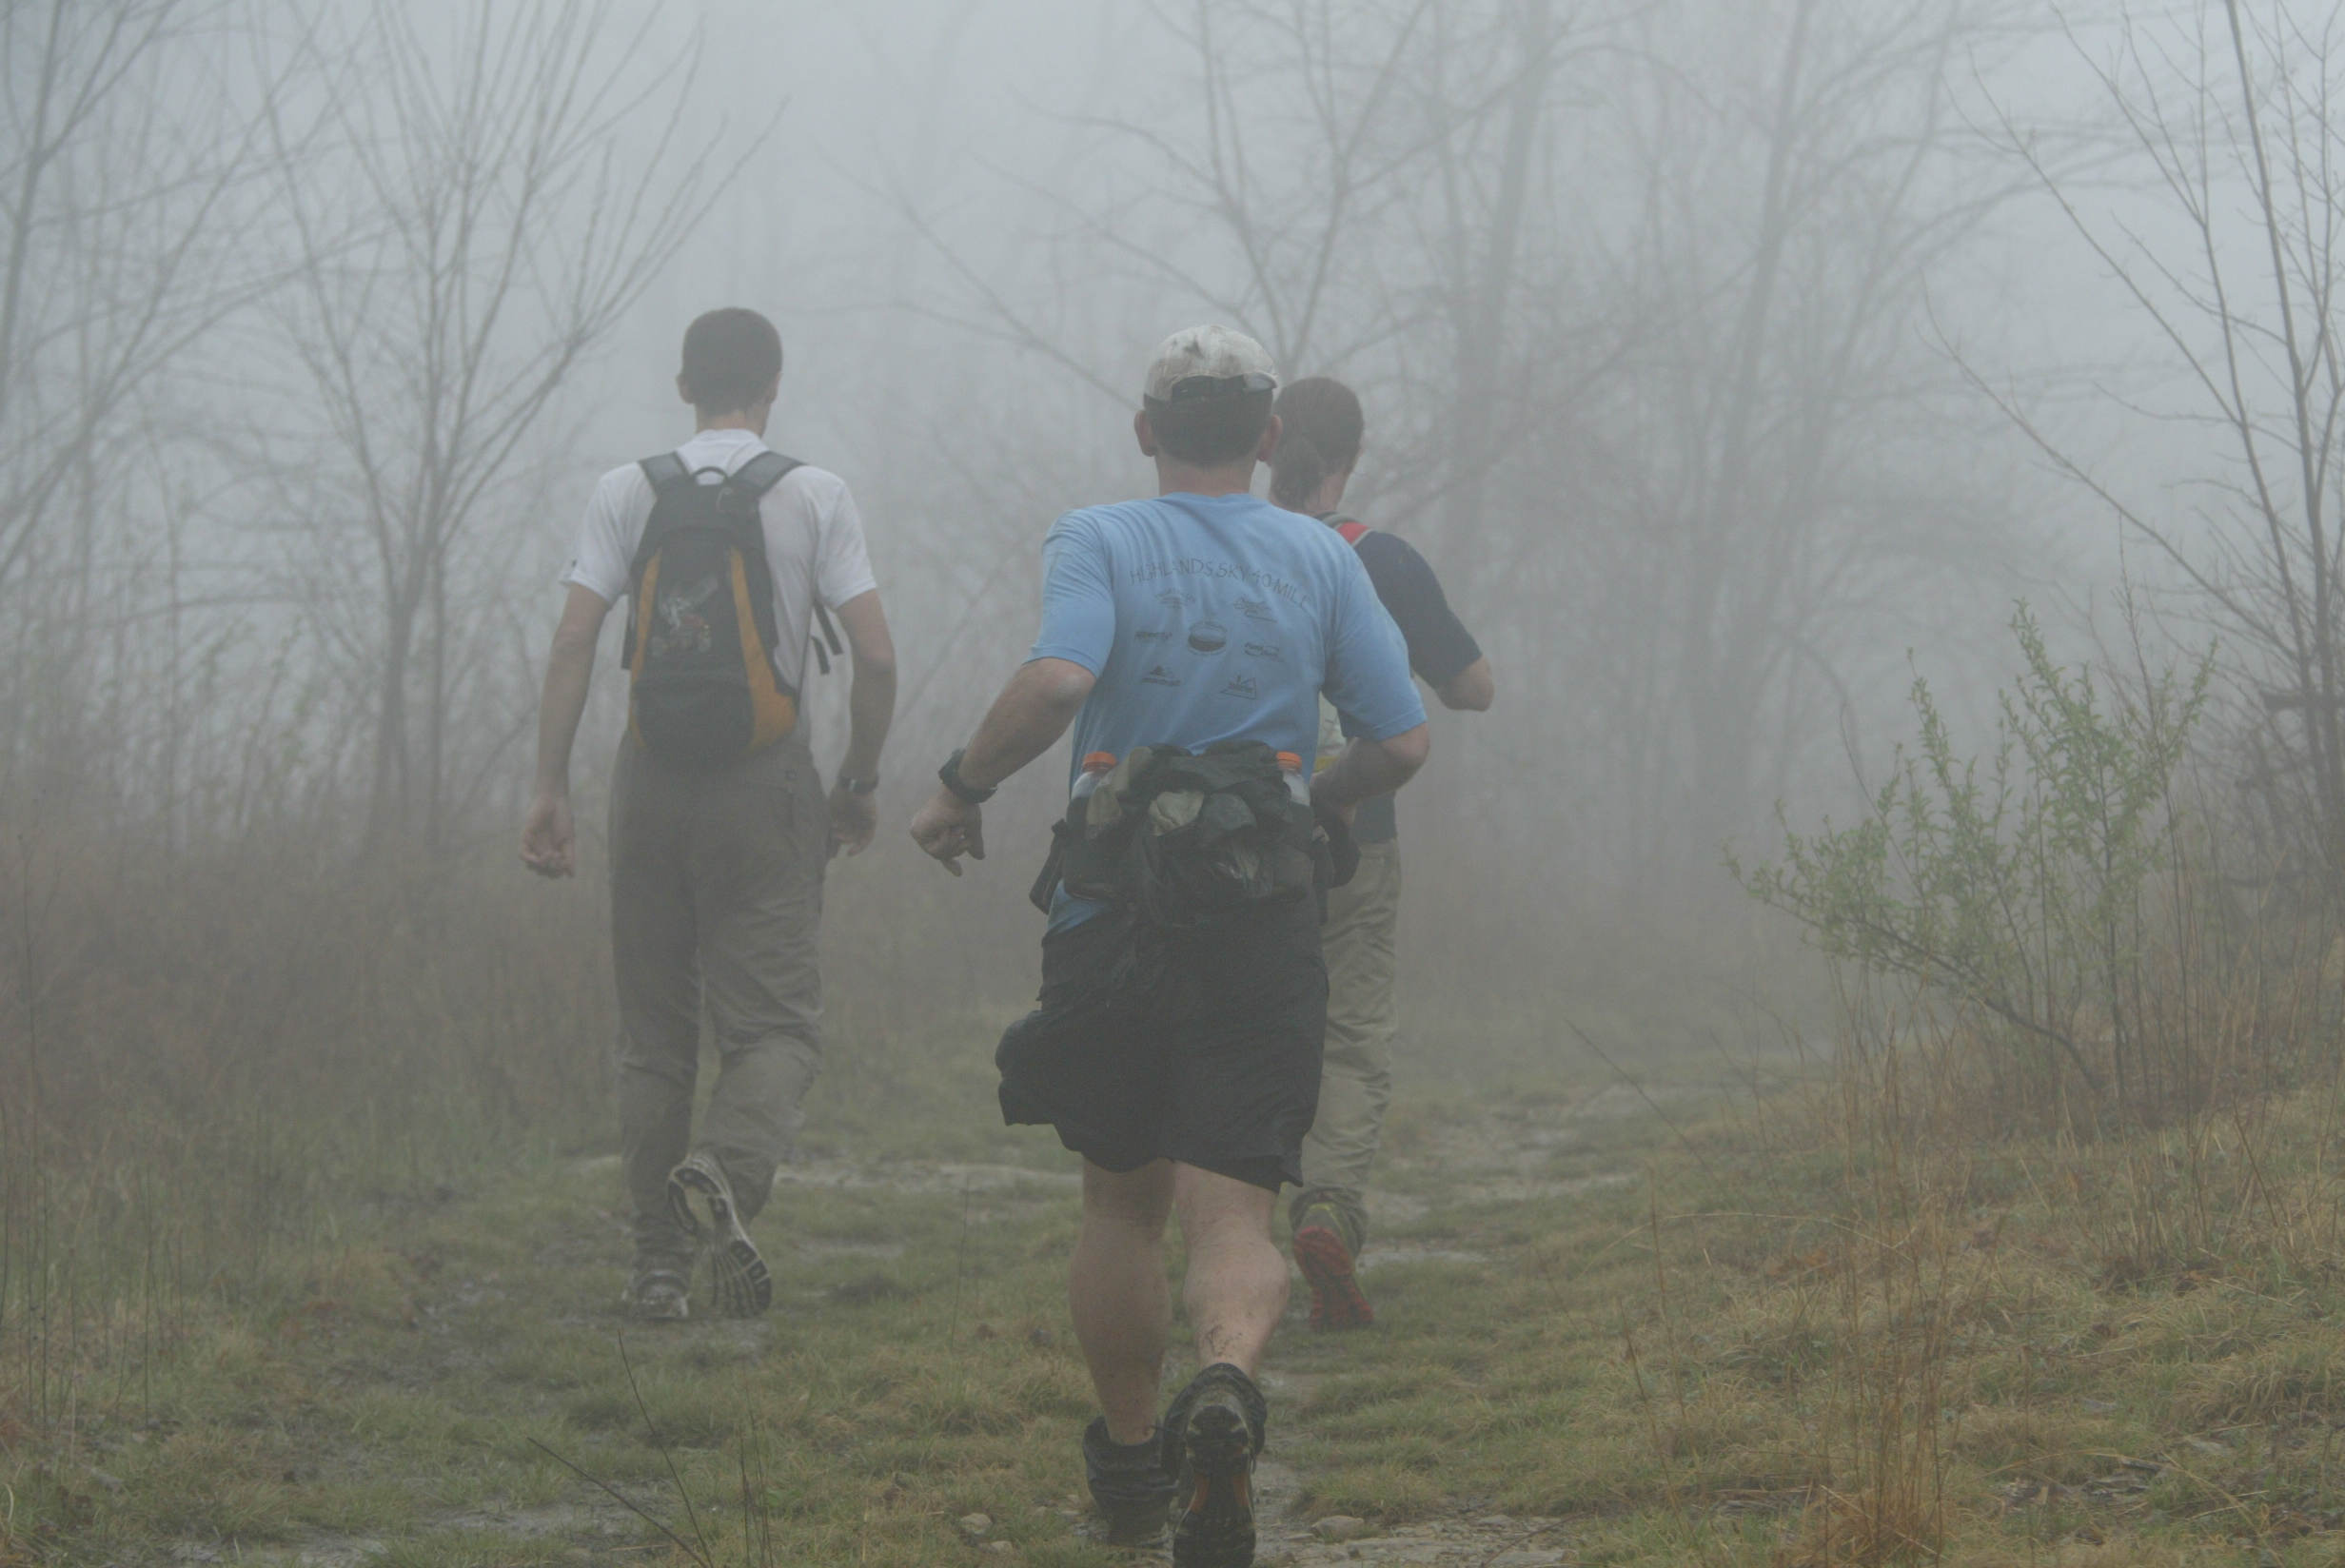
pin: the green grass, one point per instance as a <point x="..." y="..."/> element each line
<point x="1620" y="1312"/>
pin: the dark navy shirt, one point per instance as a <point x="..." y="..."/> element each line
<point x="1440" y="648"/>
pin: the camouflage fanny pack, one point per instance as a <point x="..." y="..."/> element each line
<point x="1179" y="837"/>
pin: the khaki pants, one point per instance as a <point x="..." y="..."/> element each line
<point x="716" y="901"/>
<point x="1355" y="1078"/>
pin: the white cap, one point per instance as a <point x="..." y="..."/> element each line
<point x="1213" y="351"/>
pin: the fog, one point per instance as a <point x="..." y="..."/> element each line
<point x="1733" y="364"/>
<point x="1863" y="1057"/>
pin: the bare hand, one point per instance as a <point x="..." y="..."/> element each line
<point x="854" y="820"/>
<point x="549" y="842"/>
<point x="948" y="828"/>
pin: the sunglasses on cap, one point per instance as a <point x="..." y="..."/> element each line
<point x="1196" y="388"/>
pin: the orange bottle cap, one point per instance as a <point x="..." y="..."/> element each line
<point x="1290" y="761"/>
<point x="1098" y="762"/>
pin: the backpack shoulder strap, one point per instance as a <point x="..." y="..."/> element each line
<point x="668" y="477"/>
<point x="762" y="472"/>
<point x="665" y="471"/>
<point x="1353" y="529"/>
<point x="744" y="491"/>
<point x="759" y="475"/>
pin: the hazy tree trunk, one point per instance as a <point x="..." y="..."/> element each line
<point x="1718" y="701"/>
<point x="435" y="754"/>
<point x="106" y="270"/>
<point x="2314" y="645"/>
<point x="1480" y="311"/>
<point x="126" y="163"/>
<point x="388" y="794"/>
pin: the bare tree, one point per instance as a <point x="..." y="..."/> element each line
<point x="1362" y="180"/>
<point x="1350" y="183"/>
<point x="2234" y="111"/>
<point x="1646" y="379"/>
<point x="1771" y="486"/>
<point x="495" y="197"/>
<point x="130" y="151"/>
<point x="1263" y="209"/>
<point x="1481" y="233"/>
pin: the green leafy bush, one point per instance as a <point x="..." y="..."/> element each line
<point x="2031" y="891"/>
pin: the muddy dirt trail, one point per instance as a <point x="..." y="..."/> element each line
<point x="464" y="1382"/>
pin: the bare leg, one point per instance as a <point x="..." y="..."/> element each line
<point x="1237" y="1278"/>
<point x="1118" y="1295"/>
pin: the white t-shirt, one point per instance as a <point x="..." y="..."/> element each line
<point x="814" y="538"/>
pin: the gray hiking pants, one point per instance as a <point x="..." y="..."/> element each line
<point x="716" y="900"/>
<point x="1355" y="1074"/>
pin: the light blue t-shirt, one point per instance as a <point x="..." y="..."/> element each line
<point x="1216" y="618"/>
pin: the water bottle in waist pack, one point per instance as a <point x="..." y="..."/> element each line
<point x="1297" y="789"/>
<point x="1177" y="837"/>
<point x="1095" y="768"/>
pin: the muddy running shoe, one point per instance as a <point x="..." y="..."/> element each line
<point x="1211" y="1433"/>
<point x="1129" y="1483"/>
<point x="745" y="1285"/>
<point x="1336" y="1299"/>
<point x="656" y="1295"/>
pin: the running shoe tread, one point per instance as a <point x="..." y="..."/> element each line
<point x="745" y="1285"/>
<point x="1211" y="1434"/>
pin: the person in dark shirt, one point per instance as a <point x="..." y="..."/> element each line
<point x="1321" y="426"/>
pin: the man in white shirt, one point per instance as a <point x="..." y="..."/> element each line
<point x="717" y="856"/>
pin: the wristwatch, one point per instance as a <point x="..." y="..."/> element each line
<point x="855" y="786"/>
<point x="950" y="776"/>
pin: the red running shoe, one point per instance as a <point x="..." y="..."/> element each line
<point x="1336" y="1299"/>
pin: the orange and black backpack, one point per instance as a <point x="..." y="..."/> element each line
<point x="702" y="627"/>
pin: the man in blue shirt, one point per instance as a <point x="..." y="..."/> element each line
<point x="1183" y="1063"/>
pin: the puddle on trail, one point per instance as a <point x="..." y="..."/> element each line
<point x="875" y="1249"/>
<point x="1385" y="1255"/>
<point x="1518" y="1154"/>
<point x="906" y="1176"/>
<point x="1524" y="1190"/>
<point x="603" y="1523"/>
<point x="1289" y="1541"/>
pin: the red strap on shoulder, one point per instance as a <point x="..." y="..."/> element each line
<point x="1354" y="531"/>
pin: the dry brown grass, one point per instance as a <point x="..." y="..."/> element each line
<point x="1889" y="1279"/>
<point x="209" y="1063"/>
<point x="1966" y="1268"/>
